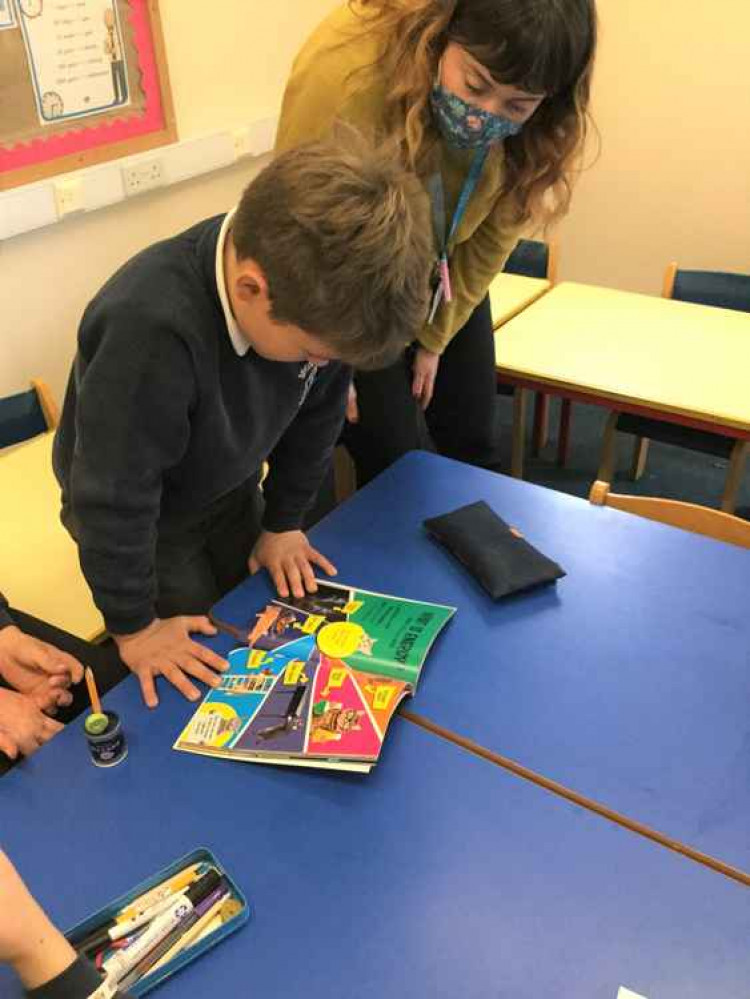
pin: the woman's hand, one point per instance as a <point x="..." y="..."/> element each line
<point x="424" y="375"/>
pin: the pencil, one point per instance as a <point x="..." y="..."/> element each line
<point x="192" y="933"/>
<point x="96" y="704"/>
<point x="169" y="887"/>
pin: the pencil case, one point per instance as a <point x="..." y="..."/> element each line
<point x="104" y="915"/>
<point x="496" y="555"/>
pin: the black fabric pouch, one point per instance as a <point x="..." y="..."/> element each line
<point x="496" y="555"/>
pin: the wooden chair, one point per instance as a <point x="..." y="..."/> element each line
<point x="687" y="516"/>
<point x="27" y="414"/>
<point x="726" y="291"/>
<point x="537" y="259"/>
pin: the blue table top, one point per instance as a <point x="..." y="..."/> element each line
<point x="438" y="875"/>
<point x="628" y="681"/>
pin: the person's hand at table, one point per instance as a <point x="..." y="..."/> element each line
<point x="23" y="658"/>
<point x="49" y="693"/>
<point x="28" y="941"/>
<point x="424" y="373"/>
<point x="165" y="648"/>
<point x="289" y="558"/>
<point x="24" y="727"/>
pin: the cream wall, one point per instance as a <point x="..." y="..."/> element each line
<point x="672" y="102"/>
<point x="225" y="71"/>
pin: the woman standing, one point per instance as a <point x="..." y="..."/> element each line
<point x="486" y="100"/>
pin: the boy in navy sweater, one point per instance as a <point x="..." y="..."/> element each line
<point x="210" y="353"/>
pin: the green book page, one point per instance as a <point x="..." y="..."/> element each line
<point x="396" y="634"/>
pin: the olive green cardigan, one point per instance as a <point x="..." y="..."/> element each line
<point x="336" y="76"/>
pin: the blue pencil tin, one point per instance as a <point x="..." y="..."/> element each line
<point x="151" y="980"/>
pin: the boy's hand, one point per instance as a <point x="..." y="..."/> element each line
<point x="289" y="558"/>
<point x="23" y="727"/>
<point x="28" y="940"/>
<point x="165" y="648"/>
<point x="19" y="651"/>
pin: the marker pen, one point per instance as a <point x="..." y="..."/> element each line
<point x="161" y="954"/>
<point x="117" y="966"/>
<point x="174" y="884"/>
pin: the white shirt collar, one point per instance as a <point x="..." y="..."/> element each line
<point x="239" y="342"/>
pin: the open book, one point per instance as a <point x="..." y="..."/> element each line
<point x="318" y="679"/>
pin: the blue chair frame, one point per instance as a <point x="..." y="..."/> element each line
<point x="27" y="414"/>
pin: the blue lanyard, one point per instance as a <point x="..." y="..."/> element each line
<point x="437" y="197"/>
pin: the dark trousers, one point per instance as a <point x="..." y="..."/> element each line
<point x="103" y="659"/>
<point x="200" y="558"/>
<point x="459" y="421"/>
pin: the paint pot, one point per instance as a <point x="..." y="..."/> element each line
<point x="105" y="737"/>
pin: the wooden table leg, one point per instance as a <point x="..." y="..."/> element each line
<point x="734" y="476"/>
<point x="540" y="431"/>
<point x="563" y="440"/>
<point x="519" y="431"/>
<point x="609" y="450"/>
<point x="640" y="456"/>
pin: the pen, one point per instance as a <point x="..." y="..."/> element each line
<point x="139" y="912"/>
<point x="191" y="935"/>
<point x="113" y="931"/>
<point x="174" y="884"/>
<point x="117" y="966"/>
<point x="162" y="953"/>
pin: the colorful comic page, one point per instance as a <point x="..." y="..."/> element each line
<point x="229" y="708"/>
<point x="340" y="720"/>
<point x="280" y="726"/>
<point x="319" y="680"/>
<point x="368" y="631"/>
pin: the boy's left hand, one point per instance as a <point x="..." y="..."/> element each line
<point x="289" y="558"/>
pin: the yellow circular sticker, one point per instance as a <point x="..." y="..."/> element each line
<point x="340" y="639"/>
<point x="214" y="724"/>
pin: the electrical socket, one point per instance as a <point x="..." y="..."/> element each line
<point x="69" y="196"/>
<point x="143" y="176"/>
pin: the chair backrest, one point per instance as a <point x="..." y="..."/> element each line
<point x="688" y="516"/>
<point x="27" y="414"/>
<point x="531" y="258"/>
<point x="724" y="291"/>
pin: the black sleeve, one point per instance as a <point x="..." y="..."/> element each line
<point x="5" y="618"/>
<point x="132" y="423"/>
<point x="299" y="461"/>
<point x="78" y="981"/>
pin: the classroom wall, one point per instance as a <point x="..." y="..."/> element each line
<point x="673" y="181"/>
<point x="226" y="70"/>
<point x="672" y="103"/>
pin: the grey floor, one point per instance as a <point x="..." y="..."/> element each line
<point x="671" y="472"/>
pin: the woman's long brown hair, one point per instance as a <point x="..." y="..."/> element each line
<point x="540" y="46"/>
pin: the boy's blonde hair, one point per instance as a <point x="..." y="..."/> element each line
<point x="342" y="232"/>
